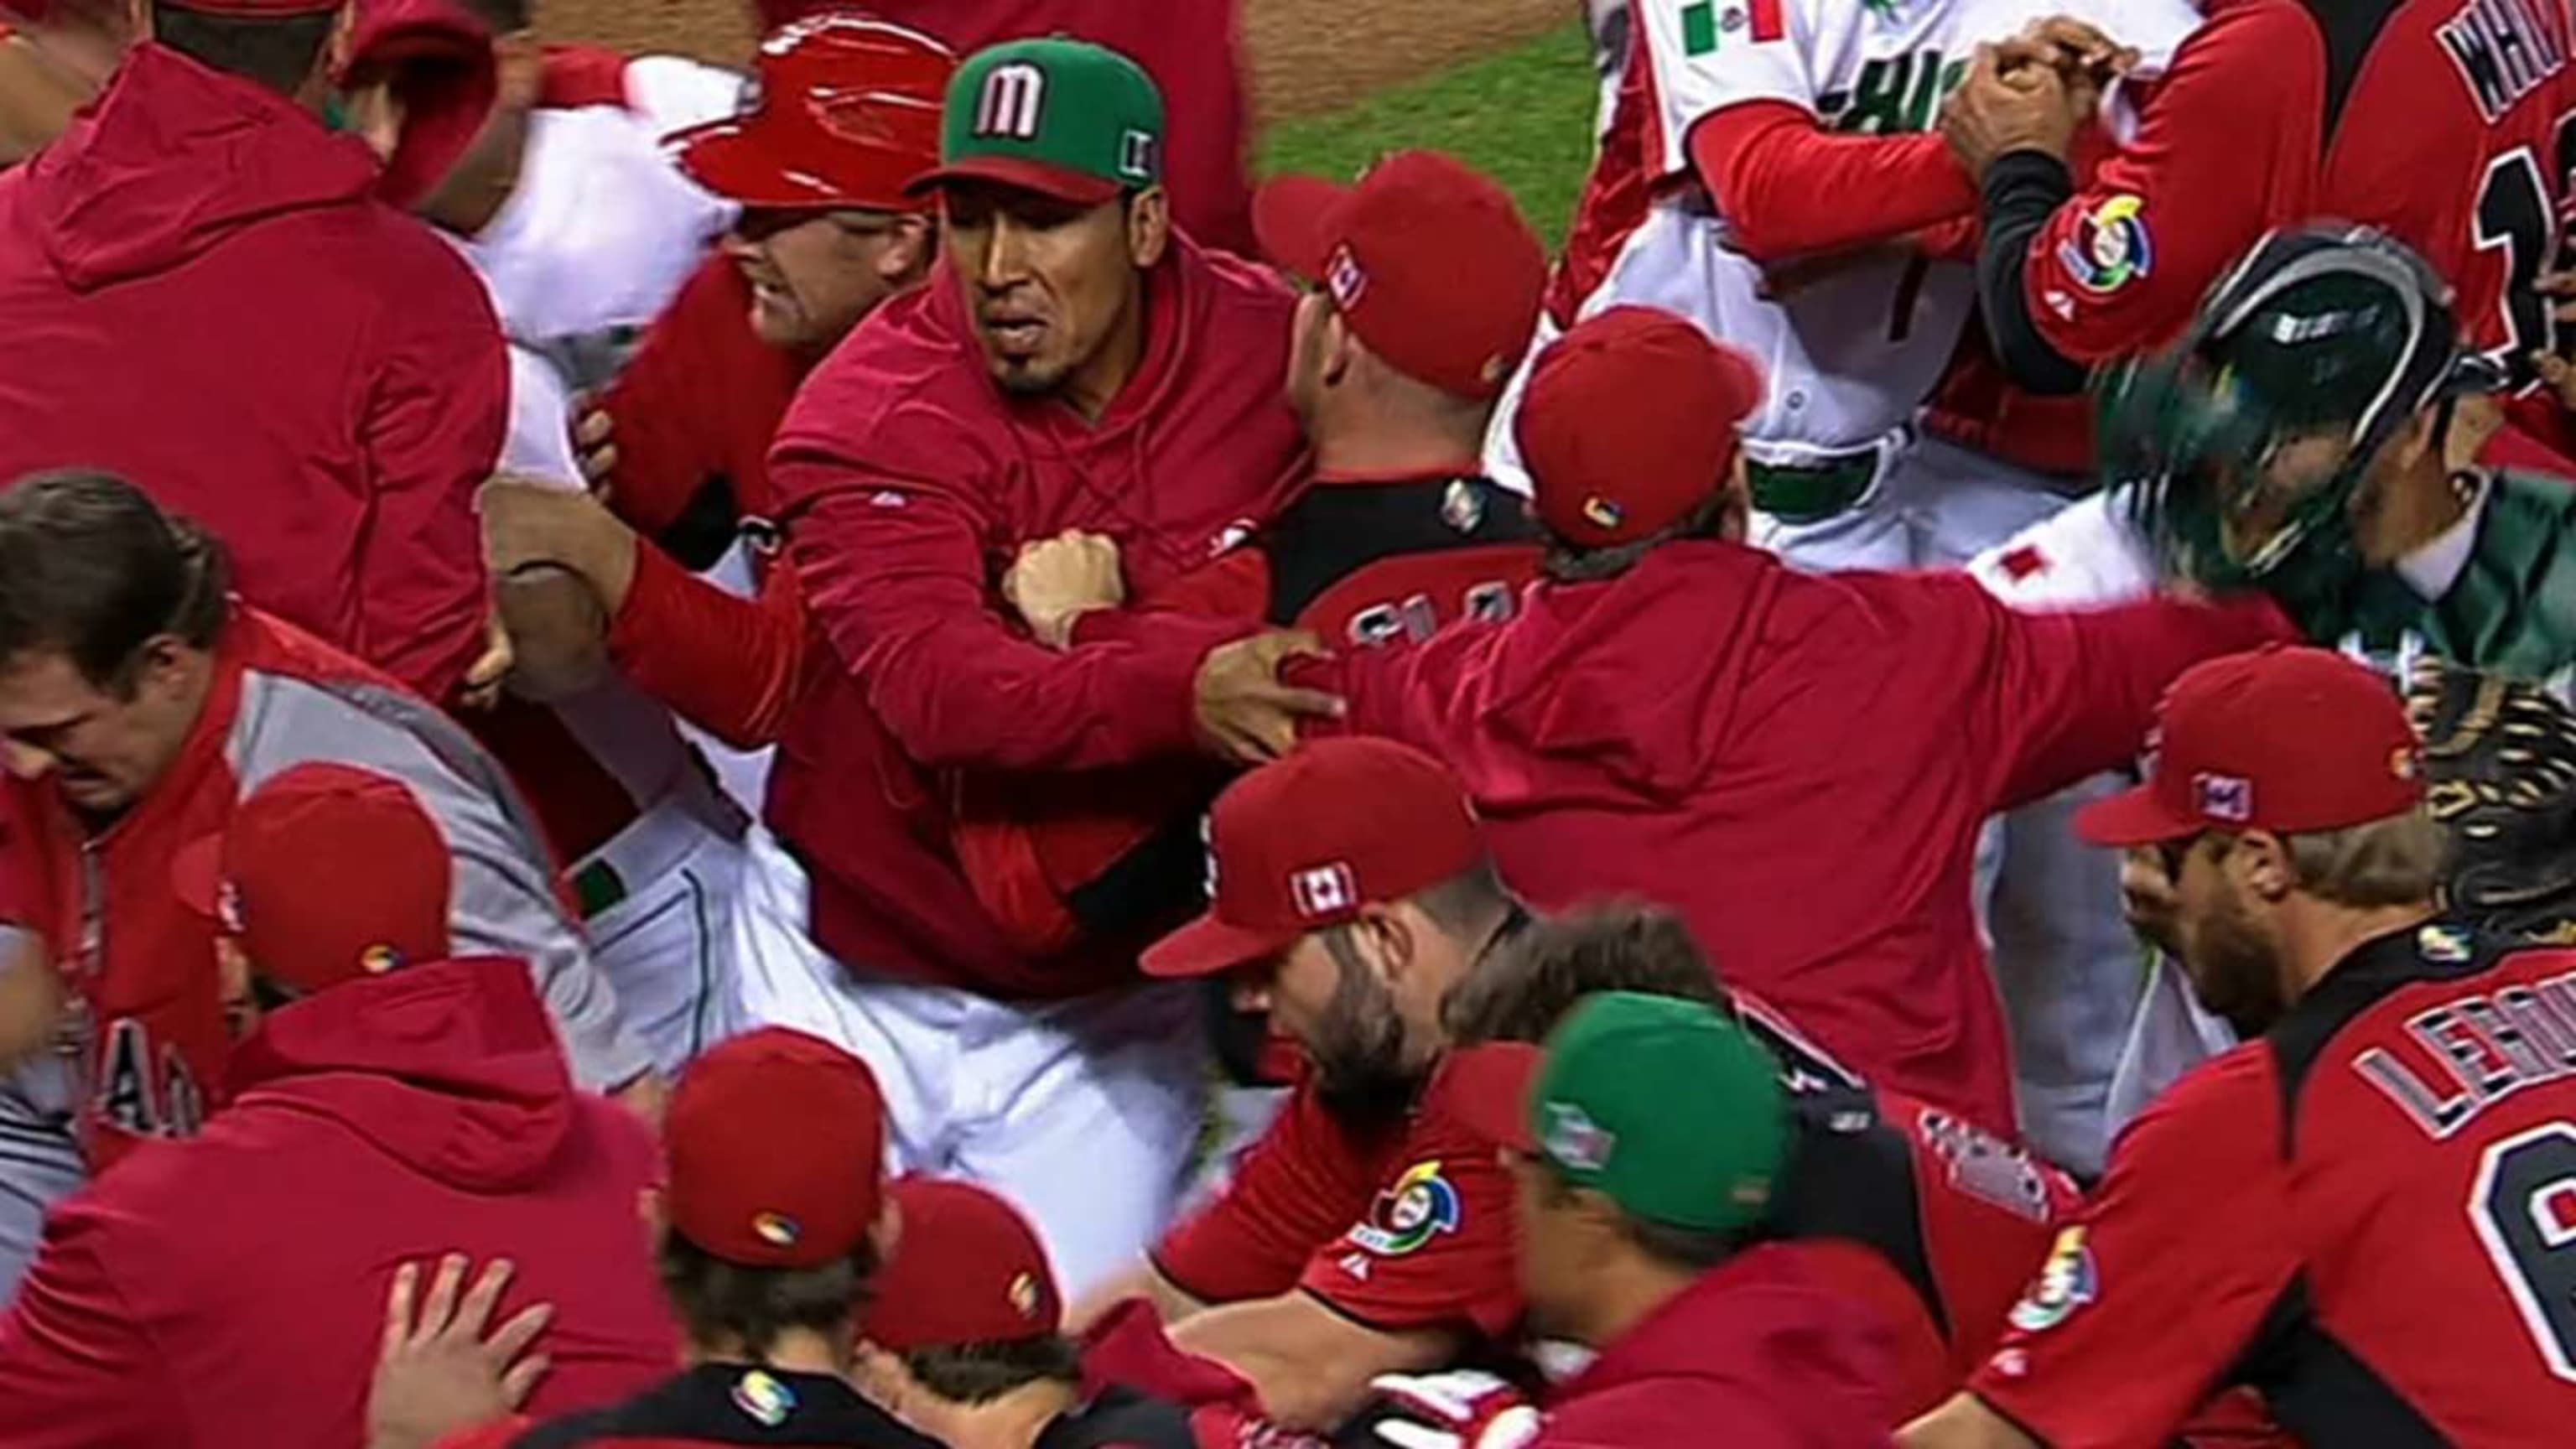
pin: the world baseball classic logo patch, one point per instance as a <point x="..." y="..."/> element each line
<point x="1419" y="1207"/>
<point x="2066" y="1283"/>
<point x="2110" y="247"/>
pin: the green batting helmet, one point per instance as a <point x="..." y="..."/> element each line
<point x="2324" y="334"/>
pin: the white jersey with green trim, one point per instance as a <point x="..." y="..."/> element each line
<point x="1852" y="345"/>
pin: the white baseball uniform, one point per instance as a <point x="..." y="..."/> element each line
<point x="592" y="245"/>
<point x="1852" y="352"/>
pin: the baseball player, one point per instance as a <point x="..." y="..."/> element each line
<point x="2371" y="1185"/>
<point x="1768" y="166"/>
<point x="765" y="1254"/>
<point x="1316" y="1241"/>
<point x="139" y="702"/>
<point x="1438" y="279"/>
<point x="2331" y="339"/>
<point x="201" y="1297"/>
<point x="1073" y="364"/>
<point x="963" y="1339"/>
<point x="1843" y="702"/>
<point x="1644" y="1145"/>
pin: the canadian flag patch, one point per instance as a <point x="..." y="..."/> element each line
<point x="1323" y="890"/>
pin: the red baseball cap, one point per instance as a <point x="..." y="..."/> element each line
<point x="776" y="1145"/>
<point x="257" y="878"/>
<point x="1426" y="258"/>
<point x="1302" y="843"/>
<point x="966" y="1269"/>
<point x="2281" y="739"/>
<point x="1630" y="422"/>
<point x="843" y="111"/>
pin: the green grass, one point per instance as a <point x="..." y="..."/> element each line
<point x="1523" y="116"/>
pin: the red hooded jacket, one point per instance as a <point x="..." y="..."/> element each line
<point x="230" y="1290"/>
<point x="201" y="292"/>
<point x="1757" y="1345"/>
<point x="1798" y="764"/>
<point x="908" y="482"/>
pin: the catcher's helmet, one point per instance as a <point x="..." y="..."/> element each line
<point x="2243" y="445"/>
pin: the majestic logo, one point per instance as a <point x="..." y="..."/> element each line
<point x="1012" y="103"/>
<point x="2110" y="248"/>
<point x="1461" y="506"/>
<point x="1577" y="1141"/>
<point x="1323" y="890"/>
<point x="2066" y="1283"/>
<point x="1419" y="1207"/>
<point x="2444" y="945"/>
<point x="2224" y="797"/>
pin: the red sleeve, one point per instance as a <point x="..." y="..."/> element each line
<point x="894" y="570"/>
<point x="702" y="397"/>
<point x="1435" y="1248"/>
<point x="2067" y="695"/>
<point x="2226" y="146"/>
<point x="1789" y="187"/>
<point x="77" y="1369"/>
<point x="1299" y="1185"/>
<point x="2166" y="1275"/>
<point x="573" y="75"/>
<point x="436" y="417"/>
<point x="1923" y="1374"/>
<point x="729" y="665"/>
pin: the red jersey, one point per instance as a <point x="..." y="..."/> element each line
<point x="1930" y="1222"/>
<point x="1799" y="764"/>
<point x="2455" y="136"/>
<point x="907" y="482"/>
<point x="2286" y="1215"/>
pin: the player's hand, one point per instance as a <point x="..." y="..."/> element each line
<point x="1054" y="582"/>
<point x="2078" y="48"/>
<point x="2556" y="370"/>
<point x="481" y="688"/>
<point x="536" y="521"/>
<point x="1244" y="712"/>
<point x="1461" y="1409"/>
<point x="437" y="1373"/>
<point x="1993" y="113"/>
<point x="594" y="441"/>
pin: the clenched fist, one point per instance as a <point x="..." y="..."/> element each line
<point x="1057" y="581"/>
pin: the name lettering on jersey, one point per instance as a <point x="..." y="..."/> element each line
<point x="1012" y="103"/>
<point x="2473" y="1051"/>
<point x="2505" y="49"/>
<point x="131" y="1099"/>
<point x="1416" y="618"/>
<point x="1985" y="1167"/>
<point x="1894" y="94"/>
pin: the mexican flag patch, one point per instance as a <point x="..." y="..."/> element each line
<point x="1708" y="24"/>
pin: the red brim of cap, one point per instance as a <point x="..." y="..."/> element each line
<point x="1208" y="946"/>
<point x="736" y="160"/>
<point x="1292" y="220"/>
<point x="196" y="874"/>
<point x="1056" y="182"/>
<point x="259" y="9"/>
<point x="2134" y="817"/>
<point x="1488" y="1089"/>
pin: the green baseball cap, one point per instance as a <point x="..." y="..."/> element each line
<point x="1060" y="117"/>
<point x="1667" y="1107"/>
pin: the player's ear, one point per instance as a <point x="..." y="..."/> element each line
<point x="1392" y="944"/>
<point x="2262" y="861"/>
<point x="908" y="249"/>
<point x="1149" y="226"/>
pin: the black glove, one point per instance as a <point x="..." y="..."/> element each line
<point x="2500" y="754"/>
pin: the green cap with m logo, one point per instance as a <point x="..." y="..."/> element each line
<point x="1061" y="117"/>
<point x="1669" y="1108"/>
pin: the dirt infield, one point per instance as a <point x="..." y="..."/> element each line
<point x="1307" y="55"/>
